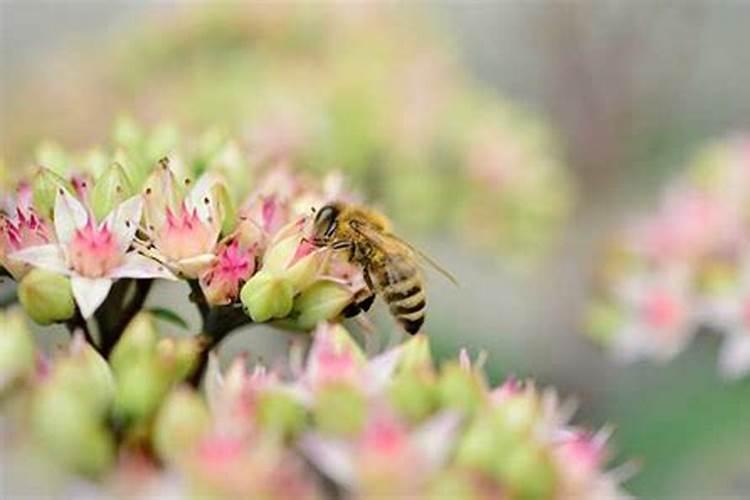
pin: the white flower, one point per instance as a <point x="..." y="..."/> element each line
<point x="93" y="255"/>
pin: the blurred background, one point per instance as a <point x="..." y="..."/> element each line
<point x="509" y="139"/>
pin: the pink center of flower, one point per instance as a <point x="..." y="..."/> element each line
<point x="94" y="251"/>
<point x="217" y="451"/>
<point x="662" y="311"/>
<point x="185" y="235"/>
<point x="27" y="230"/>
<point x="585" y="452"/>
<point x="384" y="436"/>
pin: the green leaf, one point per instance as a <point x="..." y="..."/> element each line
<point x="169" y="316"/>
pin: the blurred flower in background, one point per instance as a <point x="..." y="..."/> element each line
<point x="370" y="90"/>
<point x="684" y="269"/>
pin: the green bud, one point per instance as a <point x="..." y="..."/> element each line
<point x="302" y="273"/>
<point x="181" y="422"/>
<point x="280" y="414"/>
<point x="46" y="297"/>
<point x="179" y="356"/>
<point x="340" y="409"/>
<point x="483" y="444"/>
<point x="520" y="413"/>
<point x="71" y="432"/>
<point x="85" y="373"/>
<point x="137" y="344"/>
<point x="323" y="301"/>
<point x="111" y="188"/>
<point x="44" y="187"/>
<point x="16" y="347"/>
<point x="602" y="321"/>
<point x="416" y="355"/>
<point x="459" y="388"/>
<point x="141" y="387"/>
<point x="413" y="396"/>
<point x="528" y="471"/>
<point x="266" y="296"/>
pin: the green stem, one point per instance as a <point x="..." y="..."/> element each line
<point x="218" y="322"/>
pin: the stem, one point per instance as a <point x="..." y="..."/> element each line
<point x="77" y="322"/>
<point x="218" y="322"/>
<point x="115" y="316"/>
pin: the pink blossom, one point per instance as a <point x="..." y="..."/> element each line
<point x="93" y="255"/>
<point x="20" y="229"/>
<point x="222" y="281"/>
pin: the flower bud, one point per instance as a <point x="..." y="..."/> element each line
<point x="266" y="296"/>
<point x="180" y="424"/>
<point x="340" y="409"/>
<point x="413" y="396"/>
<point x="71" y="431"/>
<point x="84" y="372"/>
<point x="323" y="301"/>
<point x="602" y="321"/>
<point x="141" y="386"/>
<point x="16" y="348"/>
<point x="179" y="356"/>
<point x="47" y="297"/>
<point x="528" y="471"/>
<point x="111" y="188"/>
<point x="459" y="388"/>
<point x="483" y="444"/>
<point x="293" y="258"/>
<point x="280" y="413"/>
<point x="519" y="413"/>
<point x="416" y="356"/>
<point x="137" y="344"/>
<point x="45" y="186"/>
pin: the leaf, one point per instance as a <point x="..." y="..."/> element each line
<point x="169" y="316"/>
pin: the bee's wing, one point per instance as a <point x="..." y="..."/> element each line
<point x="386" y="240"/>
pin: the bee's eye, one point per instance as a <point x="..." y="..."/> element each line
<point x="325" y="220"/>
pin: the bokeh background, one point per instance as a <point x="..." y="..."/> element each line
<point x="623" y="94"/>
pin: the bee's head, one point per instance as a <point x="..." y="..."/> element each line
<point x="325" y="224"/>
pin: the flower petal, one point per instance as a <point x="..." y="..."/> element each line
<point x="49" y="257"/>
<point x="202" y="191"/>
<point x="70" y="215"/>
<point x="90" y="293"/>
<point x="333" y="458"/>
<point x="734" y="356"/>
<point x="136" y="265"/>
<point x="123" y="221"/>
<point x="380" y="369"/>
<point x="436" y="438"/>
<point x="193" y="266"/>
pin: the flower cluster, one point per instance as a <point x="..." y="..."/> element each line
<point x="330" y="424"/>
<point x="685" y="268"/>
<point x="370" y="89"/>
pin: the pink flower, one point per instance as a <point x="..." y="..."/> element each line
<point x="658" y="320"/>
<point x="335" y="357"/>
<point x="93" y="255"/>
<point x="19" y="229"/>
<point x="185" y="229"/>
<point x="222" y="281"/>
<point x="387" y="456"/>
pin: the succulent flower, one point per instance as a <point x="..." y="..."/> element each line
<point x="93" y="255"/>
<point x="682" y="269"/>
<point x="21" y="227"/>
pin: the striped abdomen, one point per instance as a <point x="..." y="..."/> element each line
<point x="398" y="281"/>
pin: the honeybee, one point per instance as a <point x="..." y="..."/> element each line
<point x="389" y="264"/>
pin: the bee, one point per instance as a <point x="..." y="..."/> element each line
<point x="390" y="265"/>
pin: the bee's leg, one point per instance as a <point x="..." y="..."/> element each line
<point x="363" y="299"/>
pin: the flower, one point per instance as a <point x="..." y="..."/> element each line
<point x="93" y="255"/>
<point x="222" y="281"/>
<point x="20" y="228"/>
<point x="184" y="229"/>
